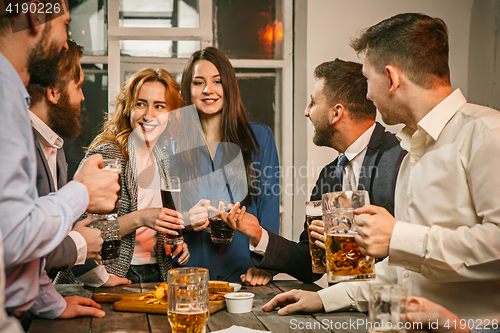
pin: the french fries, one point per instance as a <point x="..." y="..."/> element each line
<point x="216" y="297"/>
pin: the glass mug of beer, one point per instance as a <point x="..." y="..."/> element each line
<point x="387" y="308"/>
<point x="220" y="232"/>
<point x="318" y="255"/>
<point x="171" y="198"/>
<point x="110" y="233"/>
<point x="108" y="223"/>
<point x="188" y="303"/>
<point x="344" y="261"/>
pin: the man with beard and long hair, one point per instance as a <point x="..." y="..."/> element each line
<point x="31" y="226"/>
<point x="54" y="114"/>
<point x="344" y="120"/>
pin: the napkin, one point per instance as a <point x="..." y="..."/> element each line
<point x="238" y="329"/>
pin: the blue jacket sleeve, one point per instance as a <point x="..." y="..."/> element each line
<point x="267" y="169"/>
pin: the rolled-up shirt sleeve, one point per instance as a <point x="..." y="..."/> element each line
<point x="49" y="304"/>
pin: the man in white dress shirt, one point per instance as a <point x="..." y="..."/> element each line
<point x="444" y="241"/>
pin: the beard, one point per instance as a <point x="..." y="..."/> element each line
<point x="324" y="133"/>
<point x="63" y="117"/>
<point x="43" y="65"/>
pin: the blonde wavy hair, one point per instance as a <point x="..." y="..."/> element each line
<point x="117" y="128"/>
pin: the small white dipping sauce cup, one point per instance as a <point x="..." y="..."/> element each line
<point x="236" y="286"/>
<point x="239" y="302"/>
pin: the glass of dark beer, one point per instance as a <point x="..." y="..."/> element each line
<point x="110" y="233"/>
<point x="318" y="255"/>
<point x="220" y="232"/>
<point x="171" y="198"/>
<point x="344" y="260"/>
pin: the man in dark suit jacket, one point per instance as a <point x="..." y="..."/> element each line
<point x="344" y="120"/>
<point x="381" y="162"/>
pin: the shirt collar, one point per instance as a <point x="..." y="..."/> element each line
<point x="357" y="146"/>
<point x="9" y="71"/>
<point x="404" y="136"/>
<point x="435" y="121"/>
<point x="44" y="133"/>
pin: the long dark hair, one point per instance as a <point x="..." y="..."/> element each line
<point x="235" y="127"/>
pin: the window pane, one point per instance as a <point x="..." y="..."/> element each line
<point x="159" y="48"/>
<point x="94" y="109"/>
<point x="159" y="13"/>
<point x="259" y="89"/>
<point x="249" y="29"/>
<point x="88" y="26"/>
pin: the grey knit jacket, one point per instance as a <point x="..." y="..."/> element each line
<point x="128" y="204"/>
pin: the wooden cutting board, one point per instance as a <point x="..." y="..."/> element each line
<point x="132" y="303"/>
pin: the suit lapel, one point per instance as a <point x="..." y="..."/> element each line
<point x="43" y="169"/>
<point x="365" y="177"/>
<point x="62" y="168"/>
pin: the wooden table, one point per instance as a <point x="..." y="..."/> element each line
<point x="114" y="321"/>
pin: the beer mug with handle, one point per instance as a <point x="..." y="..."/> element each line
<point x="108" y="223"/>
<point x="110" y="233"/>
<point x="344" y="261"/>
<point x="188" y="302"/>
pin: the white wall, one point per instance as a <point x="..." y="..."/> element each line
<point x="332" y="23"/>
<point x="484" y="54"/>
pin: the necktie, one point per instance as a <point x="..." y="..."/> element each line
<point x="341" y="163"/>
